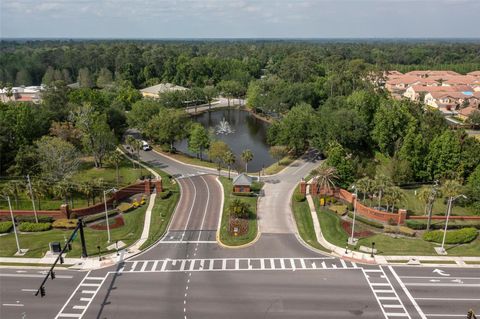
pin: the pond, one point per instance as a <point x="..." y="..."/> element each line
<point x="240" y="130"/>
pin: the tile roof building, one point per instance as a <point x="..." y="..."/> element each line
<point x="156" y="90"/>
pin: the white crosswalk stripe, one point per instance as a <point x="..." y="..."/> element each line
<point x="387" y="297"/>
<point x="233" y="264"/>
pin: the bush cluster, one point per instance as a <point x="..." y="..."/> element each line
<point x="298" y="197"/>
<point x="65" y="223"/>
<point x="31" y="219"/>
<point x="399" y="230"/>
<point x="124" y="207"/>
<point x="239" y="209"/>
<point x="459" y="236"/>
<point x="34" y="227"/>
<point x="165" y="194"/>
<point x="243" y="194"/>
<point x="5" y="227"/>
<point x="452" y="224"/>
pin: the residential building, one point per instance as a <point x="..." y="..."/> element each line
<point x="22" y="94"/>
<point x="242" y="183"/>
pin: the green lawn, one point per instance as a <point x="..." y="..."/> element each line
<point x="163" y="210"/>
<point x="37" y="243"/>
<point x="387" y="245"/>
<point x="87" y="172"/>
<point x="412" y="203"/>
<point x="278" y="166"/>
<point x="186" y="159"/>
<point x="303" y="219"/>
<point x="225" y="236"/>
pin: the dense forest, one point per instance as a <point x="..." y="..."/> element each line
<point x="320" y="93"/>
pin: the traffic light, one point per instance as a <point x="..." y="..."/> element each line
<point x="61" y="259"/>
<point x="52" y="274"/>
<point x="42" y="291"/>
<point x="69" y="245"/>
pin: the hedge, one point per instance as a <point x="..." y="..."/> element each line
<point x="243" y="194"/>
<point x="460" y="236"/>
<point x="165" y="194"/>
<point x="298" y="197"/>
<point x="436" y="224"/>
<point x="124" y="207"/>
<point x="399" y="230"/>
<point x="366" y="221"/>
<point x="5" y="227"/>
<point x="34" y="227"/>
<point x="95" y="217"/>
<point x="65" y="223"/>
<point x="31" y="219"/>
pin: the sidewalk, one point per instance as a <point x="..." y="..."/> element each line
<point x="361" y="257"/>
<point x="96" y="262"/>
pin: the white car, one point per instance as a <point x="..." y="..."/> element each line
<point x="146" y="146"/>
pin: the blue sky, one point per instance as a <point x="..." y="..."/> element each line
<point x="239" y="18"/>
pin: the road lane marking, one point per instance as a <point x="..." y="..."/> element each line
<point x="144" y="266"/>
<point x="191" y="207"/>
<point x="85" y="299"/>
<point x="448" y="299"/>
<point x="30" y="290"/>
<point x="237" y="264"/>
<point x="155" y="264"/>
<point x="79" y="307"/>
<point x="396" y="314"/>
<point x="88" y="291"/>
<point x="33" y="276"/>
<point x="439" y="278"/>
<point x="302" y="263"/>
<point x="405" y="290"/>
<point x="421" y="284"/>
<point x="393" y="306"/>
<point x="71" y="296"/>
<point x="210" y="267"/>
<point x="134" y="265"/>
<point x="344" y="265"/>
<point x="206" y="208"/>
<point x="444" y="315"/>
<point x="69" y="315"/>
<point x="262" y="264"/>
<point x="192" y="264"/>
<point x="224" y="264"/>
<point x="272" y="263"/>
<point x="13" y="304"/>
<point x="324" y="265"/>
<point x="95" y="278"/>
<point x="372" y="270"/>
<point x="282" y="263"/>
<point x="182" y="265"/>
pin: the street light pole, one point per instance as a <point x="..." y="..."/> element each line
<point x="106" y="210"/>
<point x="13" y="222"/>
<point x="449" y="211"/>
<point x="31" y="196"/>
<point x="352" y="239"/>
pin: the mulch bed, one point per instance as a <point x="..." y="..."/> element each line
<point x="241" y="225"/>
<point x="118" y="222"/>
<point x="347" y="226"/>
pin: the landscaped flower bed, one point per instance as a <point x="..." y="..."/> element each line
<point x="347" y="226"/>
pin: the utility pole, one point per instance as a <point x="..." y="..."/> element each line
<point x="19" y="251"/>
<point x="82" y="238"/>
<point x="31" y="196"/>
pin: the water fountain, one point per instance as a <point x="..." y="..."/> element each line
<point x="224" y="128"/>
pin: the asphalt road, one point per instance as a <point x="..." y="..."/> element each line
<point x="277" y="277"/>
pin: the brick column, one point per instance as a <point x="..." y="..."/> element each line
<point x="148" y="190"/>
<point x="303" y="187"/>
<point x="402" y="215"/>
<point x="159" y="185"/>
<point x="64" y="209"/>
<point x="313" y="189"/>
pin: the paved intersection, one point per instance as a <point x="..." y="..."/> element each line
<point x="188" y="275"/>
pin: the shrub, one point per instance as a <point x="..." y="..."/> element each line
<point x="298" y="197"/>
<point x="31" y="219"/>
<point x="366" y="221"/>
<point x="34" y="227"/>
<point x="5" y="227"/>
<point x="436" y="224"/>
<point x="165" y="194"/>
<point x="256" y="186"/>
<point x="243" y="194"/>
<point x="415" y="224"/>
<point x="399" y="230"/>
<point x="65" y="223"/>
<point x="94" y="217"/>
<point x="239" y="209"/>
<point x="124" y="207"/>
<point x="460" y="236"/>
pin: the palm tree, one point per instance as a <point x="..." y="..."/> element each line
<point x="381" y="184"/>
<point x="247" y="156"/>
<point x="451" y="188"/>
<point x="13" y="188"/>
<point x="39" y="190"/>
<point x="425" y="195"/>
<point x="365" y="185"/>
<point x="393" y="195"/>
<point x="115" y="158"/>
<point x="326" y="177"/>
<point x="229" y="159"/>
<point x="87" y="189"/>
<point x="62" y="189"/>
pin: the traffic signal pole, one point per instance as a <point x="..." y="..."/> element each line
<point x="51" y="273"/>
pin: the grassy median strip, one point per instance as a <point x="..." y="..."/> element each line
<point x="303" y="219"/>
<point x="225" y="237"/>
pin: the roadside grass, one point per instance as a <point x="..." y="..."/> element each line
<point x="86" y="172"/>
<point x="225" y="237"/>
<point x="303" y="219"/>
<point x="279" y="166"/>
<point x="387" y="245"/>
<point x="38" y="243"/>
<point x="185" y="158"/>
<point x="162" y="210"/>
